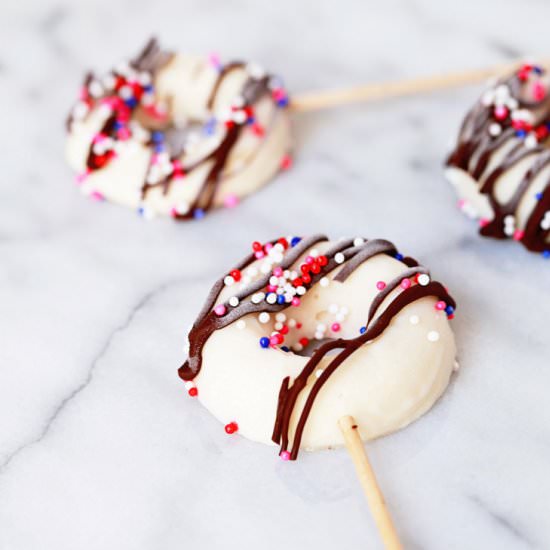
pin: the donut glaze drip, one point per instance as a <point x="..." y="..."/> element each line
<point x="128" y="94"/>
<point x="513" y="116"/>
<point x="345" y="256"/>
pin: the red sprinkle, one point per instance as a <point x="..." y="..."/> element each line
<point x="231" y="428"/>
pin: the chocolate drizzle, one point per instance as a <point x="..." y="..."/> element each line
<point x="150" y="60"/>
<point x="377" y="321"/>
<point x="476" y="147"/>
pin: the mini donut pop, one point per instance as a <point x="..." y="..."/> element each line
<point x="306" y="332"/>
<point x="175" y="135"/>
<point x="500" y="166"/>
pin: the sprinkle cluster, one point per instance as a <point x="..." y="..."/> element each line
<point x="506" y="109"/>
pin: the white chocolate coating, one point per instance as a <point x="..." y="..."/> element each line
<point x="385" y="384"/>
<point x="185" y="85"/>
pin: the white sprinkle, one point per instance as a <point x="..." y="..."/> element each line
<point x="264" y="317"/>
<point x="433" y="336"/>
<point x="301" y="290"/>
<point x="278" y="326"/>
<point x="358" y="241"/>
<point x="95" y="88"/>
<point x="333" y="308"/>
<point x="297" y="347"/>
<point x="280" y="317"/>
<point x="274" y="281"/>
<point x="255" y="71"/>
<point x="324" y="282"/>
<point x="321" y="327"/>
<point x="271" y="298"/>
<point x="292" y="323"/>
<point x="314" y="252"/>
<point x="233" y="301"/>
<point x="258" y="297"/>
<point x="531" y="141"/>
<point x="228" y="280"/>
<point x="319" y="335"/>
<point x="279" y="247"/>
<point x="339" y="258"/>
<point x="423" y="279"/>
<point x="495" y="129"/>
<point x="414" y="319"/>
<point x="241" y="324"/>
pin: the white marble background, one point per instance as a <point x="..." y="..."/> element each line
<point x="99" y="446"/>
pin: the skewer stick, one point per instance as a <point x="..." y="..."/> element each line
<point x="367" y="479"/>
<point x="312" y="101"/>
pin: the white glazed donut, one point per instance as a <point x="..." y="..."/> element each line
<point x="500" y="166"/>
<point x="305" y="331"/>
<point x="173" y="134"/>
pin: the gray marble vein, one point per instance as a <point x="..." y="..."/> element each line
<point x="99" y="445"/>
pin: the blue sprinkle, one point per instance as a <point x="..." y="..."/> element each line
<point x="210" y="126"/>
<point x="449" y="310"/>
<point x="547" y="125"/>
<point x="198" y="213"/>
<point x="399" y="256"/>
<point x="118" y="125"/>
<point x="285" y="348"/>
<point x="538" y="196"/>
<point x="521" y="133"/>
<point x="362" y="330"/>
<point x="546" y="254"/>
<point x="295" y="241"/>
<point x="157" y="137"/>
<point x="280" y="299"/>
<point x="159" y="148"/>
<point x="537" y="69"/>
<point x="283" y="102"/>
<point x="148" y="89"/>
<point x="251" y="121"/>
<point x="141" y="210"/>
<point x="264" y="342"/>
<point x="131" y="102"/>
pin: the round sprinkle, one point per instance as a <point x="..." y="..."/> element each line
<point x="263" y="317"/>
<point x="335" y="327"/>
<point x="362" y="330"/>
<point x="433" y="336"/>
<point x="358" y="241"/>
<point x="324" y="282"/>
<point x="233" y="301"/>
<point x="220" y="310"/>
<point x="231" y="428"/>
<point x="339" y="258"/>
<point x="441" y="305"/>
<point x="380" y="285"/>
<point x="241" y="324"/>
<point x="228" y="281"/>
<point x="271" y="298"/>
<point x="405" y="283"/>
<point x="285" y="455"/>
<point x="423" y="279"/>
<point x="264" y="342"/>
<point x="414" y="319"/>
<point x="280" y="317"/>
<point x="295" y="301"/>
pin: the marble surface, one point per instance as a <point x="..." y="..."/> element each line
<point x="99" y="446"/>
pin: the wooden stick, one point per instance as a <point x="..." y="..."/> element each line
<point x="312" y="101"/>
<point x="367" y="479"/>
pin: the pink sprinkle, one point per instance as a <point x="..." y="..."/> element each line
<point x="441" y="305"/>
<point x="539" y="91"/>
<point x="296" y="301"/>
<point x="219" y="310"/>
<point x="286" y="162"/>
<point x="84" y="93"/>
<point x="285" y="455"/>
<point x="174" y="212"/>
<point x="79" y="178"/>
<point x="271" y="288"/>
<point x="276" y="339"/>
<point x="518" y="234"/>
<point x="461" y="203"/>
<point x="259" y="254"/>
<point x="380" y="285"/>
<point x="177" y="164"/>
<point x="231" y="200"/>
<point x="335" y="327"/>
<point x="483" y="222"/>
<point x="97" y="196"/>
<point x="500" y="112"/>
<point x="278" y="271"/>
<point x="214" y="60"/>
<point x="405" y="283"/>
<point x="268" y="247"/>
<point x="309" y="260"/>
<point x="123" y="133"/>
